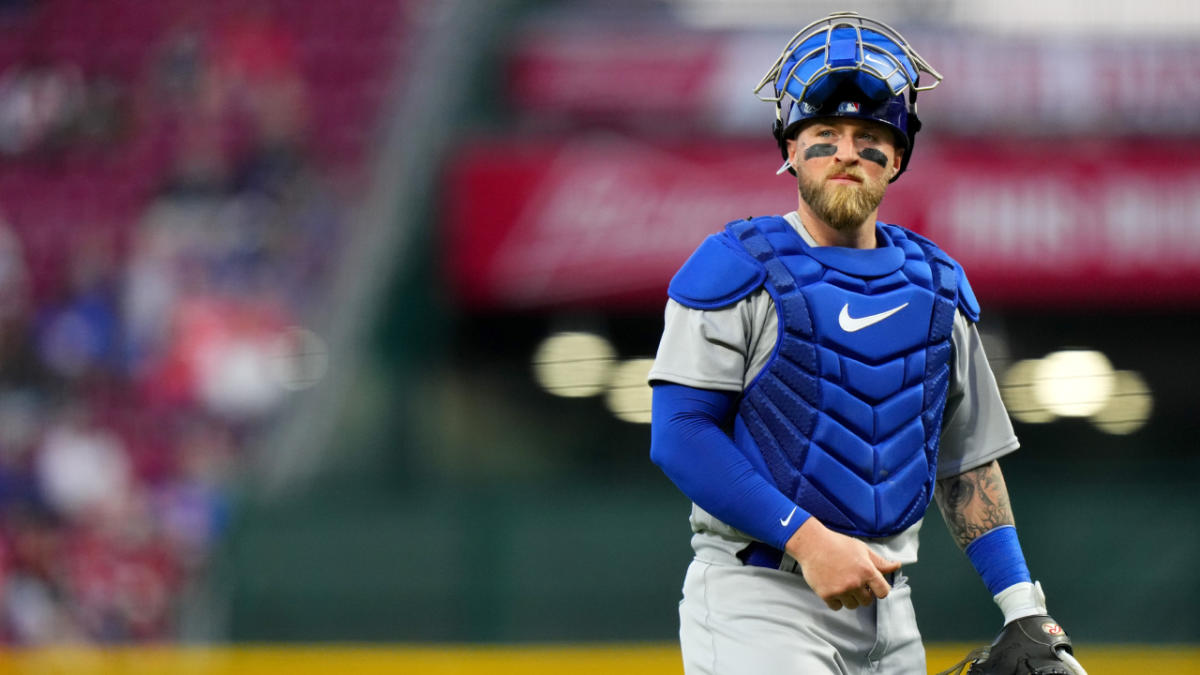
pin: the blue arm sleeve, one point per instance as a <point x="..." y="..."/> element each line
<point x="689" y="445"/>
<point x="997" y="557"/>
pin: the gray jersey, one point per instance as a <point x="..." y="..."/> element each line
<point x="725" y="349"/>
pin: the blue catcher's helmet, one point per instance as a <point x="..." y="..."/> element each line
<point x="847" y="65"/>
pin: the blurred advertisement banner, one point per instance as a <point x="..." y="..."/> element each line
<point x="606" y="220"/>
<point x="687" y="79"/>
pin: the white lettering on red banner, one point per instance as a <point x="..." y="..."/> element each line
<point x="608" y="220"/>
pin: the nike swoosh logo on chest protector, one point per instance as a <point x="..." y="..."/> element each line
<point x="851" y="324"/>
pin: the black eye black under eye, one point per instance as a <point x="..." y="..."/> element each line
<point x="873" y="155"/>
<point x="820" y="150"/>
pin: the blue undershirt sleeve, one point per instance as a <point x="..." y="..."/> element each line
<point x="690" y="446"/>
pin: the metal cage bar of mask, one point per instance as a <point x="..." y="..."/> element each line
<point x="857" y="23"/>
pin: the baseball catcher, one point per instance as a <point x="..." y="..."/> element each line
<point x="820" y="381"/>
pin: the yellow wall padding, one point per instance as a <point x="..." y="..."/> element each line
<point x="617" y="659"/>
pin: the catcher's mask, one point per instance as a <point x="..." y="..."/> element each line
<point x="847" y="65"/>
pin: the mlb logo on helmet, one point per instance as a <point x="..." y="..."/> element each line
<point x="848" y="107"/>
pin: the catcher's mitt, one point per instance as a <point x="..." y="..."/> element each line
<point x="1034" y="645"/>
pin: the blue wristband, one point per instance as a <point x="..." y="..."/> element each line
<point x="998" y="558"/>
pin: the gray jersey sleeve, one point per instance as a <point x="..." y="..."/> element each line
<point x="716" y="349"/>
<point x="976" y="428"/>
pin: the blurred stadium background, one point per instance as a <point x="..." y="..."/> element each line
<point x="327" y="323"/>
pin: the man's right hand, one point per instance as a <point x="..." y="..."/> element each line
<point x="842" y="570"/>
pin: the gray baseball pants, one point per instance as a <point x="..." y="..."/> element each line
<point x="745" y="620"/>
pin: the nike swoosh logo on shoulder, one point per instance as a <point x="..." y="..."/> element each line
<point x="851" y="324"/>
<point x="784" y="522"/>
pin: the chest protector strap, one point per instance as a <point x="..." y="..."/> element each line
<point x="848" y="412"/>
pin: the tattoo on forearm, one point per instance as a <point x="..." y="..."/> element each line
<point x="974" y="503"/>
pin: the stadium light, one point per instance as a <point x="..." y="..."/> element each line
<point x="628" y="393"/>
<point x="1023" y="405"/>
<point x="1074" y="382"/>
<point x="1129" y="406"/>
<point x="574" y="364"/>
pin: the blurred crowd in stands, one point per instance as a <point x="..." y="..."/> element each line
<point x="168" y="223"/>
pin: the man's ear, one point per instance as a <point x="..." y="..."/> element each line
<point x="791" y="150"/>
<point x="897" y="161"/>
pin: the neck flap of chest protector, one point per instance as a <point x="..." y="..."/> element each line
<point x="847" y="413"/>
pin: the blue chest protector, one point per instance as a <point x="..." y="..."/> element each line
<point x="846" y="415"/>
